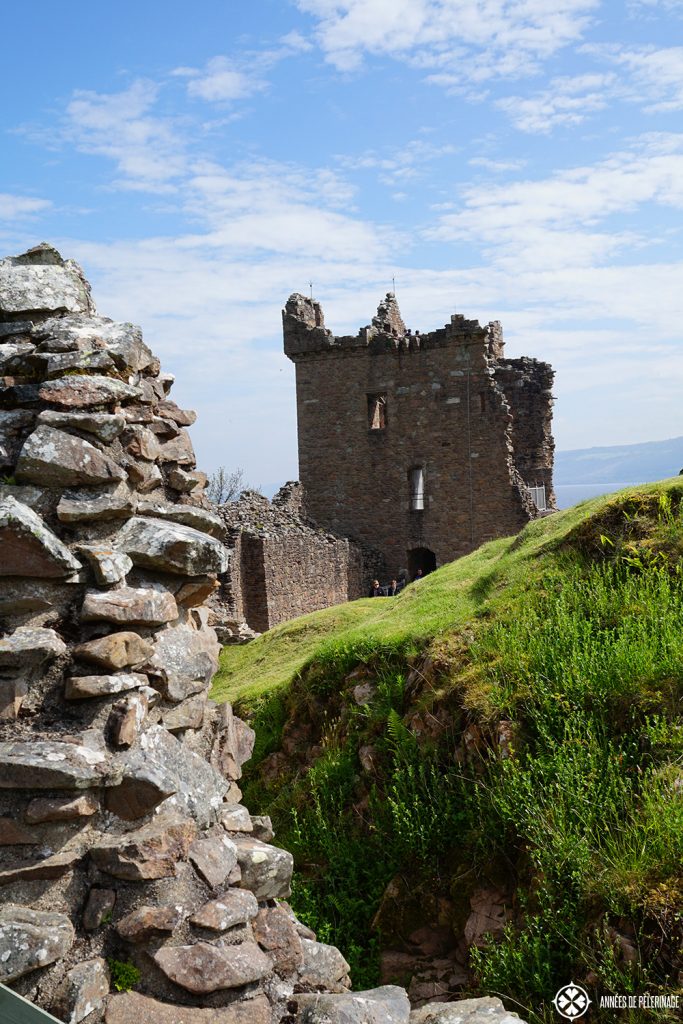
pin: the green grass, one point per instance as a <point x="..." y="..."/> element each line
<point x="569" y="640"/>
<point x="438" y="603"/>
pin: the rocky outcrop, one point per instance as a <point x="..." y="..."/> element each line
<point x="124" y="851"/>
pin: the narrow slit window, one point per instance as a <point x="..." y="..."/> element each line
<point x="416" y="479"/>
<point x="377" y="412"/>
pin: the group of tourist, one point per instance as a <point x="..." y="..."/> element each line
<point x="392" y="588"/>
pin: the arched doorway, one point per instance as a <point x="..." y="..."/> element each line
<point x="420" y="558"/>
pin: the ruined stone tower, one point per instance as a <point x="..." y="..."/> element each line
<point x="421" y="445"/>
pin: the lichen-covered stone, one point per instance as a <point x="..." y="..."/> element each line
<point x="214" y="858"/>
<point x="145" y="922"/>
<point x="386" y="1005"/>
<point x="81" y="391"/>
<point x="40" y="281"/>
<point x="171" y="547"/>
<point x="160" y="761"/>
<point x="28" y="547"/>
<point x="50" y="764"/>
<point x="82" y="687"/>
<point x="97" y="505"/>
<point x="203" y="968"/>
<point x="30" y="939"/>
<point x="122" y="341"/>
<point x="105" y="426"/>
<point x="487" y="1010"/>
<point x="108" y="565"/>
<point x="323" y="966"/>
<point x="235" y="906"/>
<point x="184" y="660"/>
<point x="83" y="990"/>
<point x="57" y="459"/>
<point x="266" y="870"/>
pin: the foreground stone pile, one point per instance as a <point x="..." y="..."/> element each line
<point x="122" y="840"/>
<point x="134" y="886"/>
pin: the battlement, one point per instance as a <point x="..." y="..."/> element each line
<point x="305" y="332"/>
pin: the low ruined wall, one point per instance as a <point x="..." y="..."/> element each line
<point x="281" y="565"/>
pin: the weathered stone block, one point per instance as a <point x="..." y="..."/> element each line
<point x="140" y="606"/>
<point x="203" y="968"/>
<point x="115" y="651"/>
<point x="235" y="906"/>
<point x="131" y="1007"/>
<point x="266" y="870"/>
<point x="82" y="687"/>
<point x="83" y="990"/>
<point x="171" y="547"/>
<point x="149" y="852"/>
<point x="57" y="459"/>
<point x="32" y="939"/>
<point x="386" y="1005"/>
<point x="45" y="764"/>
<point x="94" y="506"/>
<point x="28" y="547"/>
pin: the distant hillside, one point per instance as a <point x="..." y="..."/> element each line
<point x="637" y="463"/>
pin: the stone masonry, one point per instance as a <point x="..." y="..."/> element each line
<point x="282" y="565"/>
<point x="126" y="858"/>
<point x="421" y="445"/>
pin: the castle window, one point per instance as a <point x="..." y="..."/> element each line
<point x="377" y="412"/>
<point x="416" y="479"/>
<point x="482" y="402"/>
<point x="538" y="497"/>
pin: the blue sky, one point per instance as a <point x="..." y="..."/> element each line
<point x="519" y="160"/>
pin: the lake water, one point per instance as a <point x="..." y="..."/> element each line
<point x="570" y="494"/>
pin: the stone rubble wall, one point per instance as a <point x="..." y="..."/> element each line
<point x="122" y="836"/>
<point x="282" y="565"/>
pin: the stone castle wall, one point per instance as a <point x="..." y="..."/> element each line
<point x="123" y="844"/>
<point x="476" y="424"/>
<point x="281" y="565"/>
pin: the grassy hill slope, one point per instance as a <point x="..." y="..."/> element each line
<point x="507" y="729"/>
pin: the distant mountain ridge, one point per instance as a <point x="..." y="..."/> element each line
<point x="620" y="464"/>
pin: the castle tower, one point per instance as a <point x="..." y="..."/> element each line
<point x="423" y="446"/>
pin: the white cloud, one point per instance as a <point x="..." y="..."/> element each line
<point x="147" y="149"/>
<point x="551" y="222"/>
<point x="651" y="77"/>
<point x="496" y="166"/>
<point x="401" y="164"/>
<point x="14" y="207"/>
<point x="509" y="35"/>
<point x="222" y="81"/>
<point x="566" y="101"/>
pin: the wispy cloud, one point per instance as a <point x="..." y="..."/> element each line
<point x="400" y="165"/>
<point x="13" y="207"/>
<point x="554" y="222"/>
<point x="147" y="148"/>
<point x="650" y="76"/>
<point x="483" y="38"/>
<point x="566" y="101"/>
